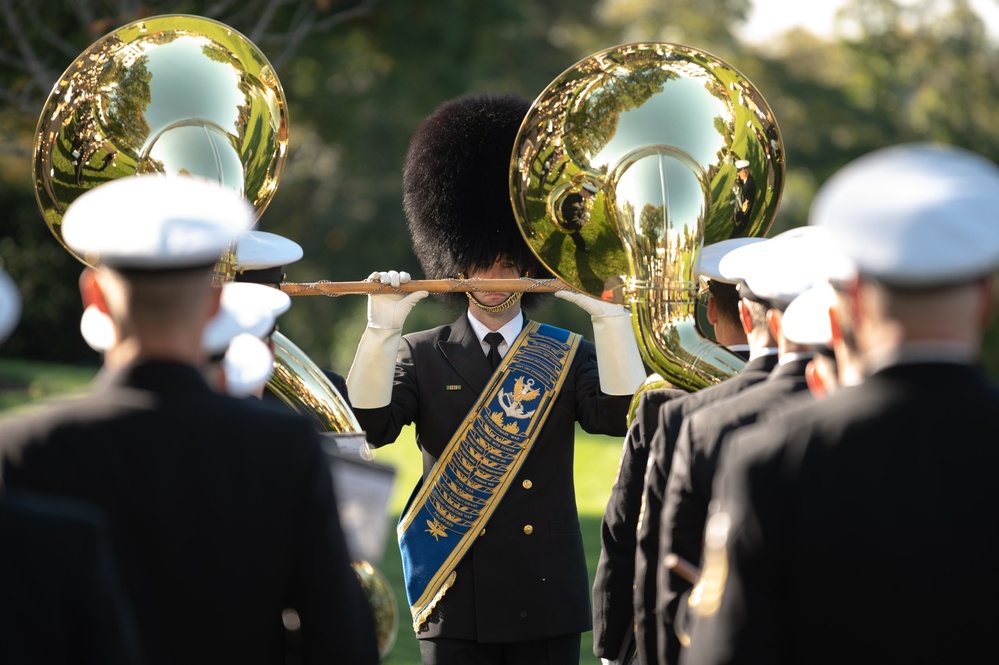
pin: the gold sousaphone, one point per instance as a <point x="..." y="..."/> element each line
<point x="178" y="95"/>
<point x="653" y="131"/>
<point x="186" y="96"/>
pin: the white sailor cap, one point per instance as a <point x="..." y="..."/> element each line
<point x="710" y="256"/>
<point x="806" y="318"/>
<point x="244" y="308"/>
<point x="155" y="222"/>
<point x="783" y="267"/>
<point x="275" y="300"/>
<point x="249" y="308"/>
<point x="10" y="305"/>
<point x="914" y="215"/>
<point x="261" y="257"/>
<point x="248" y="365"/>
<point x="742" y="164"/>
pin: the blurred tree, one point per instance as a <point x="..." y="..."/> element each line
<point x="37" y="43"/>
<point x="360" y="75"/>
<point x="901" y="71"/>
<point x="705" y="24"/>
<point x="47" y="277"/>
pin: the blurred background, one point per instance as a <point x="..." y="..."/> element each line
<point x="842" y="78"/>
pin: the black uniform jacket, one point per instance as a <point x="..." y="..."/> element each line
<point x="701" y="442"/>
<point x="863" y="527"/>
<point x="516" y="583"/>
<point x="615" y="576"/>
<point x="671" y="417"/>
<point x="613" y="585"/>
<point x="62" y="600"/>
<point x="222" y="511"/>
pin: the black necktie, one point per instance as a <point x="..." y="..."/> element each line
<point x="494" y="339"/>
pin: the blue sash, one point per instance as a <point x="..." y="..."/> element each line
<point x="447" y="511"/>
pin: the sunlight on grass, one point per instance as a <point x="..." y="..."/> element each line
<point x="23" y="382"/>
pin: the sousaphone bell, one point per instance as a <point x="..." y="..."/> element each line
<point x="647" y="136"/>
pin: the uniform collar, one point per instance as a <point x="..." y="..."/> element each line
<point x="162" y="376"/>
<point x="509" y="330"/>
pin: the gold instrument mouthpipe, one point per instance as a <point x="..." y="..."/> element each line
<point x="518" y="285"/>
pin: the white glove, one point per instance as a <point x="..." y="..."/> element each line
<point x="389" y="310"/>
<point x="391" y="277"/>
<point x="369" y="381"/>
<point x="618" y="359"/>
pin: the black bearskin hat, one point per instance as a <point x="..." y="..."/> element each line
<point x="456" y="189"/>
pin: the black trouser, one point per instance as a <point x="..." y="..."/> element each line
<point x="561" y="650"/>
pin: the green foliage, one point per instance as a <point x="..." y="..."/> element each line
<point x="47" y="276"/>
<point x="357" y="90"/>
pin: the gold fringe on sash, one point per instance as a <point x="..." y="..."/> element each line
<point x="422" y="617"/>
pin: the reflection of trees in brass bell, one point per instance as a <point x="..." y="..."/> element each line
<point x="604" y="111"/>
<point x="132" y="102"/>
<point x="382" y="601"/>
<point x="129" y="99"/>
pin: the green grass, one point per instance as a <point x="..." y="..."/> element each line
<point x="26" y="383"/>
<point x="23" y="383"/>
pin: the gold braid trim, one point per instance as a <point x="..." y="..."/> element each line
<point x="422" y="617"/>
